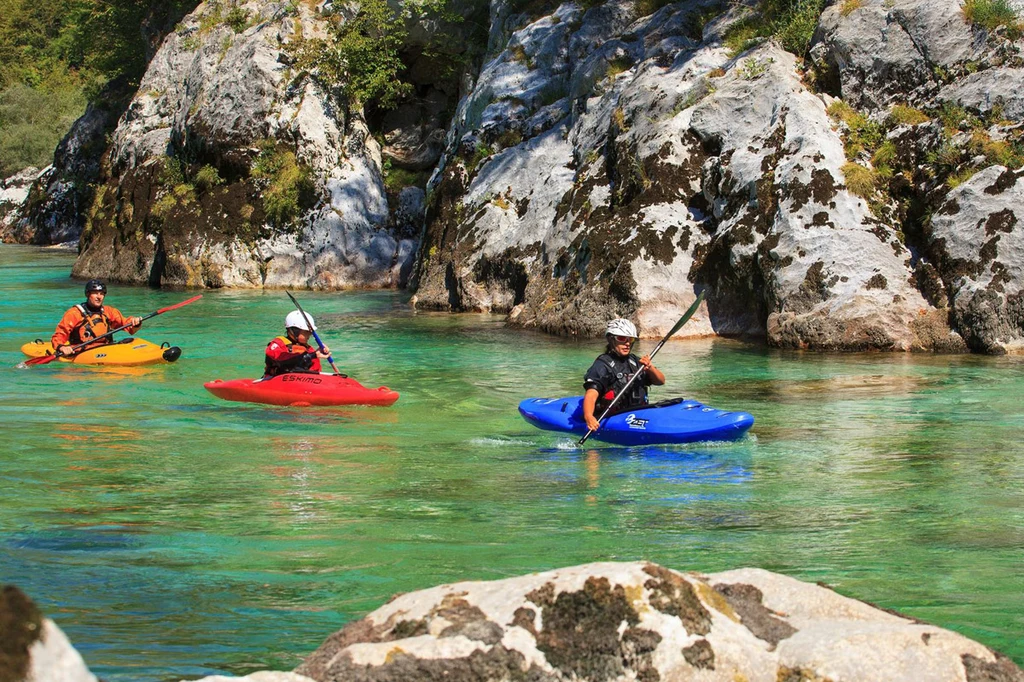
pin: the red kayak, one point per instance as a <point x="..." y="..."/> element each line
<point x="302" y="390"/>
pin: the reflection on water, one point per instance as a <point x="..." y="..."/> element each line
<point x="174" y="535"/>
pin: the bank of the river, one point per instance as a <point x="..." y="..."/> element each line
<point x="172" y="535"/>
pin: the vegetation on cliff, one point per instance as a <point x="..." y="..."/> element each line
<point x="57" y="55"/>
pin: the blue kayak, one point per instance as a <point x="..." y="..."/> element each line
<point x="672" y="421"/>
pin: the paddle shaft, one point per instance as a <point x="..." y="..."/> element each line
<point x="682" y="320"/>
<point x="312" y="331"/>
<point x="78" y="348"/>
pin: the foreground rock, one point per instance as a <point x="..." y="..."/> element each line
<point x="640" y="621"/>
<point x="33" y="648"/>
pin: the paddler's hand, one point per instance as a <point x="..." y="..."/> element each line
<point x="64" y="350"/>
<point x="592" y="422"/>
<point x="134" y="321"/>
<point x="324" y="352"/>
<point x="646" y="361"/>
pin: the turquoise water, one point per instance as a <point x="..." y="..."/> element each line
<point x="173" y="535"/>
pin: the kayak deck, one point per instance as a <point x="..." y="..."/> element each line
<point x="128" y="352"/>
<point x="673" y="421"/>
<point x="302" y="390"/>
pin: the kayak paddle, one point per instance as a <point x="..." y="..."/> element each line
<point x="76" y="349"/>
<point x="313" y="332"/>
<point x="682" y="320"/>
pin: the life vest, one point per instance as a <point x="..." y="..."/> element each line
<point x="273" y="367"/>
<point x="94" y="324"/>
<point x="622" y="370"/>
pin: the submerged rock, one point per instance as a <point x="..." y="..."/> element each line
<point x="640" y="621"/>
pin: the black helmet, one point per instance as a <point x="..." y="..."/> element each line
<point x="95" y="285"/>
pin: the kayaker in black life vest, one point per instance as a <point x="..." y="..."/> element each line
<point x="292" y="352"/>
<point x="612" y="370"/>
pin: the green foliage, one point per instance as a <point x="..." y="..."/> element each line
<point x="289" y="187"/>
<point x="238" y="19"/>
<point x="57" y="54"/>
<point x="753" y="68"/>
<point x="860" y="180"/>
<point x="481" y="152"/>
<point x="849" y="6"/>
<point x="991" y="14"/>
<point x="862" y="134"/>
<point x="619" y="65"/>
<point x="361" y="57"/>
<point x="696" y="21"/>
<point x="996" y="152"/>
<point x="643" y="8"/>
<point x="791" y="22"/>
<point x="744" y="34"/>
<point x="172" y="173"/>
<point x="207" y="178"/>
<point x="796" y="23"/>
<point x="32" y="122"/>
<point x="397" y="179"/>
<point x="955" y="118"/>
<point x="961" y="176"/>
<point x="884" y="158"/>
<point x="945" y="158"/>
<point x="904" y="115"/>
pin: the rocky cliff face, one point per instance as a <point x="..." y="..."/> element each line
<point x="232" y="167"/>
<point x="607" y="160"/>
<point x="609" y="165"/>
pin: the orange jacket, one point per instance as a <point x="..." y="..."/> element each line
<point x="75" y="327"/>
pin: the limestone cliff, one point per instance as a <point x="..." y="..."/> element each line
<point x="602" y="159"/>
<point x="609" y="164"/>
<point x="234" y="167"/>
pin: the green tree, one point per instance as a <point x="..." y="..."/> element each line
<point x="361" y="58"/>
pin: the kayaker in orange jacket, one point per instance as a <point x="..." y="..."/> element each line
<point x="90" y="319"/>
<point x="292" y="352"/>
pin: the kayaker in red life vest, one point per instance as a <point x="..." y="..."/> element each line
<point x="292" y="352"/>
<point x="612" y="370"/>
<point x="89" y="320"/>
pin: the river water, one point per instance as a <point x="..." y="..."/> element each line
<point x="173" y="535"/>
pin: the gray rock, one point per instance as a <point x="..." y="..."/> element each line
<point x="619" y="621"/>
<point x="992" y="90"/>
<point x="14" y="192"/>
<point x="215" y="98"/>
<point x="978" y="243"/>
<point x="677" y="168"/>
<point x="894" y="51"/>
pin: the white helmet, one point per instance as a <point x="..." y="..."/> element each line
<point x="296" y="319"/>
<point x="621" y="327"/>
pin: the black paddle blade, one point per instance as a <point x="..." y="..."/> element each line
<point x="686" y="316"/>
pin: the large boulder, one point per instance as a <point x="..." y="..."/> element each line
<point x="901" y="51"/>
<point x="610" y="166"/>
<point x="233" y="167"/>
<point x="640" y="621"/>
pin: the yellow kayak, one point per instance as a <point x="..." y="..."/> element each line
<point x="125" y="353"/>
